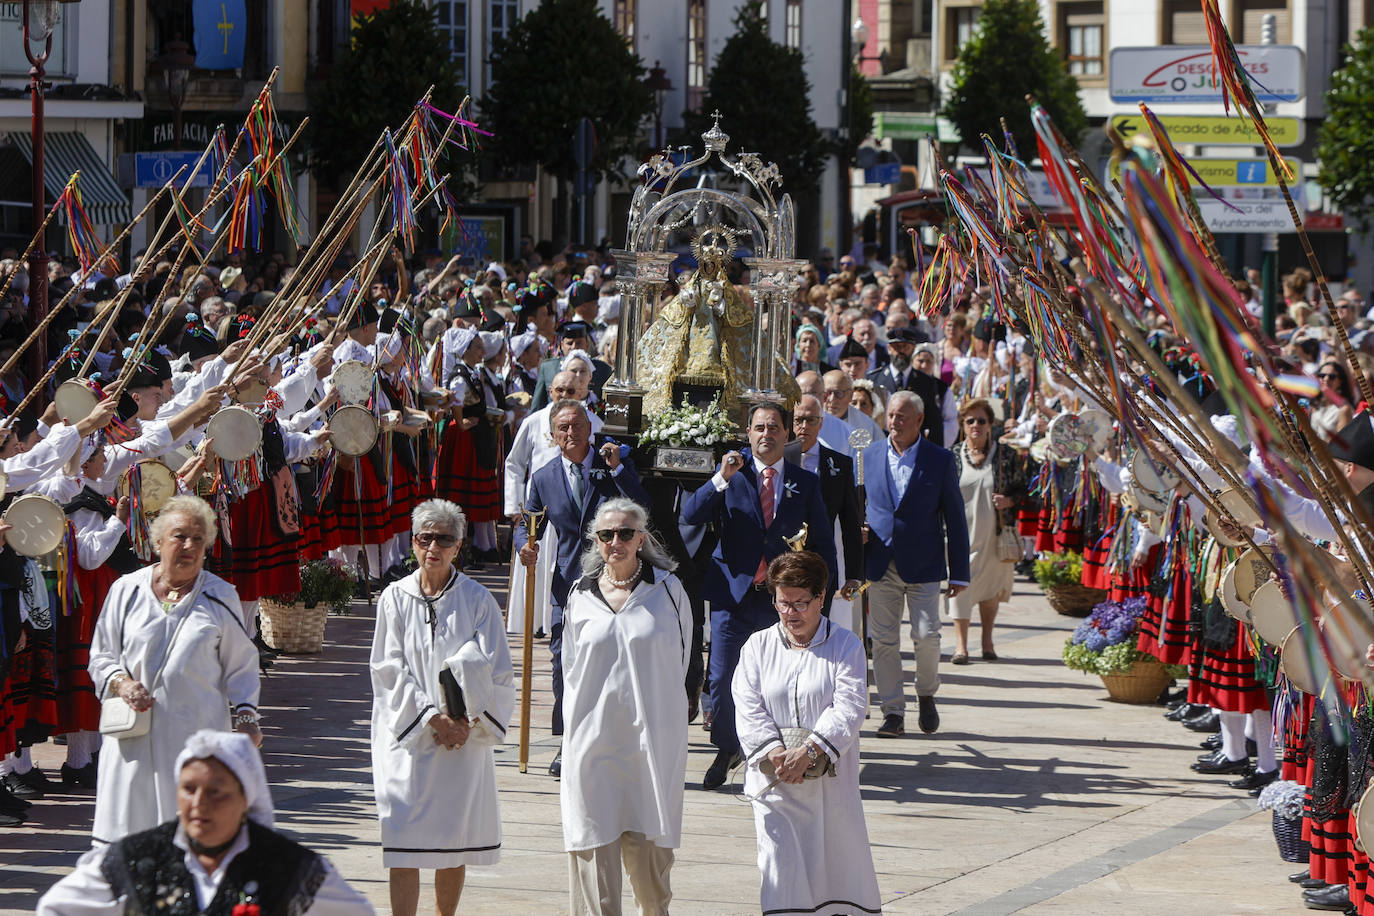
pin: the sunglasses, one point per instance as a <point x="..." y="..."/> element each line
<point x="1329" y="375"/>
<point x="607" y="535"/>
<point x="975" y="421"/>
<point x="425" y="538"/>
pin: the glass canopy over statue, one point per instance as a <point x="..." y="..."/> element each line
<point x="713" y="339"/>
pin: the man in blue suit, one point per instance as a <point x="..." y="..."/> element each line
<point x="755" y="500"/>
<point x="570" y="490"/>
<point x="918" y="539"/>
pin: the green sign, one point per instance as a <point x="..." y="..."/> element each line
<point x="900" y="125"/>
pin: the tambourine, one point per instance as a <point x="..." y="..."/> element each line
<point x="74" y="400"/>
<point x="1346" y="654"/>
<point x="236" y="431"/>
<point x="1363" y="816"/>
<point x="1271" y="614"/>
<point x="39" y="525"/>
<point x="1148" y="500"/>
<point x="353" y="431"/>
<point x="353" y="380"/>
<point x="252" y="393"/>
<point x="1068" y="438"/>
<point x="1242" y="579"/>
<point x="157" y="484"/>
<point x="1149" y="475"/>
<point x="1296" y="666"/>
<point x="1237" y="508"/>
<point x="1097" y="426"/>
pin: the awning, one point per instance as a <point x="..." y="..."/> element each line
<point x="65" y="152"/>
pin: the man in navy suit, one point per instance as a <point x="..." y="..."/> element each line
<point x="918" y="539"/>
<point x="570" y="490"/>
<point x="755" y="500"/>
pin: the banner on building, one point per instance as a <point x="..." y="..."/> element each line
<point x="221" y="27"/>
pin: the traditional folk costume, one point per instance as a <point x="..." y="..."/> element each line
<point x="468" y="462"/>
<point x="438" y="807"/>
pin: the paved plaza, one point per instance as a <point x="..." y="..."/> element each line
<point x="1038" y="795"/>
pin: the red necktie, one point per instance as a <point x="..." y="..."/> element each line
<point x="766" y="501"/>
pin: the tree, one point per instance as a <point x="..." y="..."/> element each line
<point x="761" y="90"/>
<point x="1006" y="59"/>
<point x="562" y="62"/>
<point x="394" y="56"/>
<point x="1345" y="139"/>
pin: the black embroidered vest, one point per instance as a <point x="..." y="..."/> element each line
<point x="123" y="560"/>
<point x="149" y="870"/>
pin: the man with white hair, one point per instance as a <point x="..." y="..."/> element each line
<point x="913" y="500"/>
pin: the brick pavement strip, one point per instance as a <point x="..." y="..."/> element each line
<point x="1039" y="796"/>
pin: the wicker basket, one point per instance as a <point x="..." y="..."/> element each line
<point x="1141" y="683"/>
<point x="293" y="627"/>
<point x="1288" y="834"/>
<point x="1074" y="600"/>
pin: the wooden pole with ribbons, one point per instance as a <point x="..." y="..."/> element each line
<point x="531" y="521"/>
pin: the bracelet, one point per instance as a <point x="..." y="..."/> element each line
<point x="116" y="680"/>
<point x="247" y="717"/>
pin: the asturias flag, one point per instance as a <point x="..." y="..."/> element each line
<point x="221" y="27"/>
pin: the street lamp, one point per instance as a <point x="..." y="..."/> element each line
<point x="175" y="66"/>
<point x="40" y="18"/>
<point x="660" y="84"/>
<point x="859" y="35"/>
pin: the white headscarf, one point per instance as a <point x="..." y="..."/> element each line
<point x="521" y="342"/>
<point x="491" y="343"/>
<point x="237" y="752"/>
<point x="456" y="343"/>
<point x="578" y="354"/>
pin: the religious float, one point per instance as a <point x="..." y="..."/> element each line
<point x="690" y="364"/>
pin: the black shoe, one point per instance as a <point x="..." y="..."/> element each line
<point x="11" y="803"/>
<point x="1300" y="876"/>
<point x="929" y="718"/>
<point x="19" y="788"/>
<point x="265" y="660"/>
<point x="1173" y="697"/>
<point x="1206" y="722"/>
<point x="539" y="633"/>
<point x="719" y="769"/>
<point x="1213" y="743"/>
<point x="892" y="727"/>
<point x="264" y="648"/>
<point x="1312" y="884"/>
<point x="556" y="767"/>
<point x="83" y="778"/>
<point x="1218" y="765"/>
<point x="1254" y="779"/>
<point x="11" y="820"/>
<point x="1334" y="897"/>
<point x="1185" y="711"/>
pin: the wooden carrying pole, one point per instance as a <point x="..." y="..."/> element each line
<point x="531" y="522"/>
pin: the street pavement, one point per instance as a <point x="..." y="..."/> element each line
<point x="1038" y="795"/>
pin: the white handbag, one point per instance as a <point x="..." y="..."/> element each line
<point x="120" y="719"/>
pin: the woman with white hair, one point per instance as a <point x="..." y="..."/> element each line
<point x="442" y="697"/>
<point x="172" y="645"/>
<point x="219" y="851"/>
<point x="627" y="634"/>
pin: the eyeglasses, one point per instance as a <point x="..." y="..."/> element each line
<point x="805" y="421"/>
<point x="626" y="535"/>
<point x="975" y="421"/>
<point x="796" y="607"/>
<point x="425" y="538"/>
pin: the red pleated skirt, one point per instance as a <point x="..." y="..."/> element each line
<point x="78" y="707"/>
<point x="1226" y="680"/>
<point x="1173" y="641"/>
<point x="28" y="697"/>
<point x="404" y="496"/>
<point x="377" y="522"/>
<point x="261" y="561"/>
<point x="1293" y="763"/>
<point x="1333" y="842"/>
<point x="1058" y="531"/>
<point x="1095" y="571"/>
<point x="477" y="490"/>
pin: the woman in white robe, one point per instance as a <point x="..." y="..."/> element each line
<point x="433" y="769"/>
<point x="627" y="633"/>
<point x="810" y="674"/>
<point x="170" y="639"/>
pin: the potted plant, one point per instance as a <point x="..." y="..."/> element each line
<point x="295" y="623"/>
<point x="1061" y="576"/>
<point x="1105" y="644"/>
<point x="685" y="438"/>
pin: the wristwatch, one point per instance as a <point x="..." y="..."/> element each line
<point x="813" y="752"/>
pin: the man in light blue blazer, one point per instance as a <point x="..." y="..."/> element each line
<point x="751" y="536"/>
<point x="918" y="539"/>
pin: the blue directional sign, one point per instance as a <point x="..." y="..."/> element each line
<point x="883" y="173"/>
<point x="1256" y="172"/>
<point x="153" y="170"/>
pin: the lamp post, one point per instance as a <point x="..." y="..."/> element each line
<point x="175" y="66"/>
<point x="859" y="35"/>
<point x="40" y="17"/>
<point x="660" y="84"/>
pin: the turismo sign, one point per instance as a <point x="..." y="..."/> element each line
<point x="1185" y="73"/>
<point x="1241" y="172"/>
<point x="1213" y="130"/>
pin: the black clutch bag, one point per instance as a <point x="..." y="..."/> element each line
<point x="457" y="707"/>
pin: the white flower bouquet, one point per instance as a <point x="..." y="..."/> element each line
<point x="689" y="426"/>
